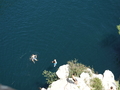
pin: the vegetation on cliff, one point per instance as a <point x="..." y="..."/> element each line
<point x="77" y="68"/>
<point x="96" y="84"/>
<point x="74" y="68"/>
<point x="50" y="76"/>
<point x="118" y="27"/>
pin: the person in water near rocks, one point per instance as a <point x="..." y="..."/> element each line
<point x="33" y="58"/>
<point x="54" y="62"/>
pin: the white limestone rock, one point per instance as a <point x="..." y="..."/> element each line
<point x="86" y="78"/>
<point x="108" y="80"/>
<point x="108" y="76"/>
<point x="82" y="84"/>
<point x="63" y="71"/>
<point x="58" y="85"/>
<point x="100" y="76"/>
<point x="42" y="89"/>
<point x="65" y="83"/>
<point x="70" y="86"/>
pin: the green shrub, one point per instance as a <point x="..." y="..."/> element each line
<point x="118" y="85"/>
<point x="76" y="68"/>
<point x="118" y="27"/>
<point x="50" y="76"/>
<point x="96" y="84"/>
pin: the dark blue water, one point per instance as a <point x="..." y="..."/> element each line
<point x="63" y="29"/>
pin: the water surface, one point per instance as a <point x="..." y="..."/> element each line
<point x="85" y="30"/>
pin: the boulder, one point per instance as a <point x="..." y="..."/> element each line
<point x="58" y="85"/>
<point x="108" y="80"/>
<point x="63" y="71"/>
<point x="100" y="76"/>
<point x="82" y="84"/>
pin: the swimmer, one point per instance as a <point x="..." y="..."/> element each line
<point x="33" y="58"/>
<point x="54" y="62"/>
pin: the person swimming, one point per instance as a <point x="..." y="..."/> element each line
<point x="54" y="62"/>
<point x="33" y="58"/>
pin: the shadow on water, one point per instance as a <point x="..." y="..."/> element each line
<point x="112" y="41"/>
<point x="108" y="40"/>
<point x="43" y="83"/>
<point x="40" y="84"/>
<point x="116" y="47"/>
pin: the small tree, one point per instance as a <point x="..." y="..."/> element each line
<point x="118" y="27"/>
<point x="118" y="85"/>
<point x="50" y="76"/>
<point x="76" y="68"/>
<point x="96" y="84"/>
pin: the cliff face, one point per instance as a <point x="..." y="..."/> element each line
<point x="83" y="81"/>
